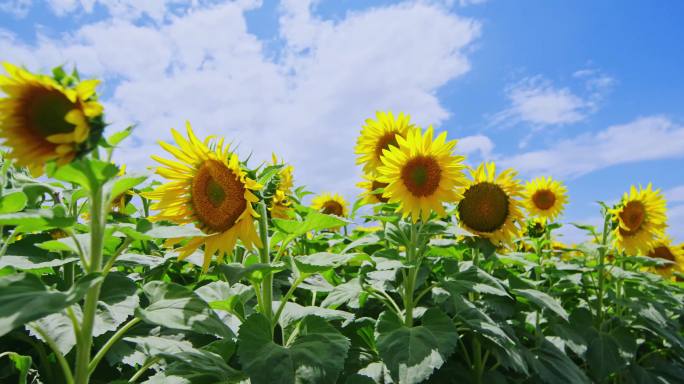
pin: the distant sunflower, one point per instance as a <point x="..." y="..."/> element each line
<point x="545" y="197"/>
<point x="664" y="249"/>
<point x="281" y="203"/>
<point x="207" y="188"/>
<point x="119" y="202"/>
<point x="421" y="174"/>
<point x="378" y="135"/>
<point x="641" y="220"/>
<point x="330" y="204"/>
<point x="370" y="186"/>
<point x="42" y="120"/>
<point x="490" y="206"/>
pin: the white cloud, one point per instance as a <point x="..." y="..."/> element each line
<point x="156" y="10"/>
<point x="17" y="8"/>
<point x="479" y="144"/>
<point x="536" y="101"/>
<point x="204" y="66"/>
<point x="646" y="138"/>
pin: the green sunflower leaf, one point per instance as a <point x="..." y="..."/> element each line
<point x="315" y="355"/>
<point x="413" y="353"/>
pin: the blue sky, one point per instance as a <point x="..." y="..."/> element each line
<point x="589" y="92"/>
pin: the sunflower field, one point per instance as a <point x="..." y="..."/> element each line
<point x="217" y="269"/>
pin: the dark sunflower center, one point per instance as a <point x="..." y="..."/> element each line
<point x="484" y="207"/>
<point x="421" y="175"/>
<point x="218" y="196"/>
<point x="332" y="207"/>
<point x="45" y="110"/>
<point x="385" y="141"/>
<point x="544" y="199"/>
<point x="633" y="215"/>
<point x="662" y="252"/>
<point x="375" y="185"/>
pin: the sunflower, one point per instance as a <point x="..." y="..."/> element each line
<point x="664" y="249"/>
<point x="373" y="190"/>
<point x="207" y="188"/>
<point x="378" y="135"/>
<point x="330" y="204"/>
<point x="640" y="218"/>
<point x="421" y="174"/>
<point x="280" y="205"/>
<point x="545" y="197"/>
<point x="119" y="202"/>
<point x="490" y="206"/>
<point x="42" y="120"/>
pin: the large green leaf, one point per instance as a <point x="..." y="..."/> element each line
<point x="474" y="279"/>
<point x="13" y="202"/>
<point x="413" y="353"/>
<point x="316" y="355"/>
<point x="543" y="300"/>
<point x="118" y="301"/>
<point x="554" y="367"/>
<point x="293" y="312"/>
<point x="177" y="307"/>
<point x="37" y="220"/>
<point x="24" y="298"/>
<point x="323" y="261"/>
<point x="603" y="357"/>
<point x="34" y="261"/>
<point x="350" y="293"/>
<point x="314" y="221"/>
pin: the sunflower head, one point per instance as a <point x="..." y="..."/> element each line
<point x="330" y="204"/>
<point x="664" y="249"/>
<point x="373" y="190"/>
<point x="206" y="187"/>
<point x="545" y="198"/>
<point x="379" y="135"/>
<point x="641" y="220"/>
<point x="46" y="119"/>
<point x="280" y="203"/>
<point x="421" y="174"/>
<point x="490" y="205"/>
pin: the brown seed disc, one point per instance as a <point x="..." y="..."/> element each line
<point x="544" y="199"/>
<point x="484" y="207"/>
<point x="421" y="176"/>
<point x="218" y="196"/>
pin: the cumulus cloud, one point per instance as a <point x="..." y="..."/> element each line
<point x="307" y="104"/>
<point x="476" y="144"/>
<point x="17" y="8"/>
<point x="646" y="138"/>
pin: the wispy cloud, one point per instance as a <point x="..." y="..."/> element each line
<point x="537" y="102"/>
<point x="646" y="138"/>
<point x="17" y="8"/>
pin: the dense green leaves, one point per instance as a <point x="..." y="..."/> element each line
<point x="175" y="306"/>
<point x="315" y="354"/>
<point x="23" y="298"/>
<point x="413" y="353"/>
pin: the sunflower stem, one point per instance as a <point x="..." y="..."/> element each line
<point x="410" y="281"/>
<point x="97" y="227"/>
<point x="601" y="268"/>
<point x="267" y="283"/>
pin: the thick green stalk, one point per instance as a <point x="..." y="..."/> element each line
<point x="97" y="228"/>
<point x="601" y="268"/>
<point x="410" y="281"/>
<point x="267" y="283"/>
